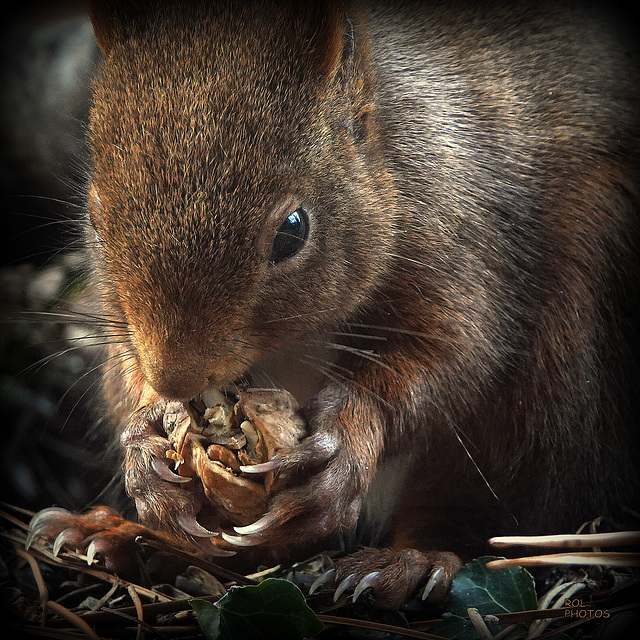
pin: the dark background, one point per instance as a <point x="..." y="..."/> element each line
<point x="53" y="450"/>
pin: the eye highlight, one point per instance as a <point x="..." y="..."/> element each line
<point x="291" y="236"/>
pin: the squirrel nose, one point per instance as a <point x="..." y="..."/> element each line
<point x="174" y="377"/>
<point x="178" y="385"/>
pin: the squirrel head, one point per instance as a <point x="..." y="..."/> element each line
<point x="238" y="196"/>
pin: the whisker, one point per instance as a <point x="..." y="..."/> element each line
<point x="333" y="365"/>
<point x="342" y="380"/>
<point x="69" y="316"/>
<point x="362" y="353"/>
<point x="35" y="196"/>
<point x="334" y="377"/>
<point x="365" y="336"/>
<point x="119" y="361"/>
<point x="409" y="332"/>
<point x="303" y="315"/>
<point x="407" y="259"/>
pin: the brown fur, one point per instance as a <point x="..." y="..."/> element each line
<point x="471" y="173"/>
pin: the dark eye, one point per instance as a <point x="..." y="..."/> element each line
<point x="291" y="236"/>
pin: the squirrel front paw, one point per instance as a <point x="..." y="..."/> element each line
<point x="163" y="499"/>
<point x="322" y="496"/>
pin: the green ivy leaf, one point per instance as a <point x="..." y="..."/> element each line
<point x="272" y="610"/>
<point x="492" y="591"/>
<point x="488" y="590"/>
<point x="208" y="616"/>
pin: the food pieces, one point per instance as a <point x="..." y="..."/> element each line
<point x="213" y="436"/>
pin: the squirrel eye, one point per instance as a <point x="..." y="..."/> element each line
<point x="291" y="236"/>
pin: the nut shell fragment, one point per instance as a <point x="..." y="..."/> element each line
<point x="210" y="443"/>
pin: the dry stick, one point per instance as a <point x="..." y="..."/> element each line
<point x="16" y="522"/>
<point x="536" y="628"/>
<point x="46" y="556"/>
<point x="612" y="558"/>
<point x="45" y="632"/>
<point x="151" y="609"/>
<point x="617" y="538"/>
<point x="24" y="512"/>
<point x="83" y="567"/>
<point x="141" y="623"/>
<point x="74" y="619"/>
<point x="378" y="626"/>
<point x="42" y="587"/>
<point x="479" y="624"/>
<point x="139" y="611"/>
<point x="105" y="597"/>
<point x="211" y="567"/>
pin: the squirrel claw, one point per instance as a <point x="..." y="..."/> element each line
<point x="262" y="467"/>
<point x="368" y="582"/>
<point x="258" y="526"/>
<point x="43" y="522"/>
<point x="326" y="577"/>
<point x="66" y="538"/>
<point x="345" y="584"/>
<point x="162" y="469"/>
<point x="436" y="575"/>
<point x="190" y="525"/>
<point x="240" y="541"/>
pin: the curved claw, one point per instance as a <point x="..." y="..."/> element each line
<point x="239" y="541"/>
<point x="34" y="532"/>
<point x="42" y="520"/>
<point x="258" y="526"/>
<point x="321" y="580"/>
<point x="91" y="552"/>
<point x="433" y="579"/>
<point x="162" y="469"/>
<point x="190" y="525"/>
<point x="213" y="550"/>
<point x="368" y="582"/>
<point x="262" y="467"/>
<point x="68" y="538"/>
<point x="344" y="585"/>
<point x="47" y="516"/>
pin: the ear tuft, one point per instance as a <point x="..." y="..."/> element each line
<point x="111" y="19"/>
<point x="101" y="14"/>
<point x="328" y="41"/>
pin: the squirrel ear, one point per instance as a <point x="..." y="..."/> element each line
<point x="329" y="39"/>
<point x="103" y="16"/>
<point x="109" y="19"/>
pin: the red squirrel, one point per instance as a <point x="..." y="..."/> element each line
<point x="430" y="207"/>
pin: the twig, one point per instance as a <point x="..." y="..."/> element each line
<point x="611" y="558"/>
<point x="221" y="572"/>
<point x="139" y="611"/>
<point x="13" y="520"/>
<point x="378" y="626"/>
<point x="479" y="624"/>
<point x="105" y="597"/>
<point x="151" y="609"/>
<point x="537" y="628"/>
<point x="80" y="564"/>
<point x="24" y="512"/>
<point x="74" y="619"/>
<point x="618" y="538"/>
<point x="138" y="621"/>
<point x="42" y="587"/>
